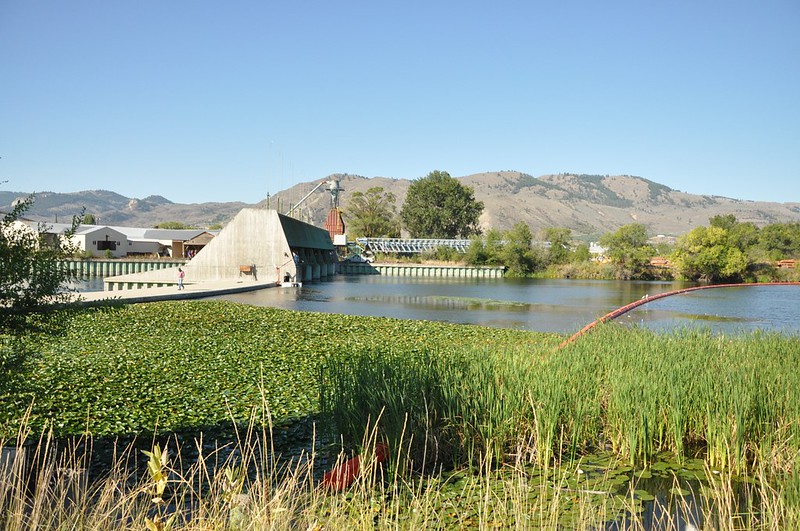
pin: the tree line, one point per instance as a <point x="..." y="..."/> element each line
<point x="438" y="206"/>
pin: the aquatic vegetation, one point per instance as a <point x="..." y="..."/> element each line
<point x="191" y="365"/>
<point x="487" y="428"/>
<point x="735" y="400"/>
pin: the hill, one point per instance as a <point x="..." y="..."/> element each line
<point x="110" y="208"/>
<point x="590" y="205"/>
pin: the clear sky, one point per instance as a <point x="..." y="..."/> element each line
<point x="228" y="101"/>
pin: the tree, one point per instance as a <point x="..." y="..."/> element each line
<point x="372" y="214"/>
<point x="707" y="254"/>
<point x="780" y="240"/>
<point x="89" y="219"/>
<point x="628" y="249"/>
<point x="30" y="273"/>
<point x="518" y="255"/>
<point x="580" y="254"/>
<point x="486" y="250"/>
<point x="438" y="206"/>
<point x="173" y="225"/>
<point x="559" y="244"/>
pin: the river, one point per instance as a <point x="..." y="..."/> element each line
<point x="562" y="306"/>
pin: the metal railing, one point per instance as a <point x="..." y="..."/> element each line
<point x="402" y="245"/>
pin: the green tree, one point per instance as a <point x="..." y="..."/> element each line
<point x="723" y="222"/>
<point x="559" y="244"/>
<point x="30" y="273"/>
<point x="487" y="250"/>
<point x="173" y="225"/>
<point x="476" y="252"/>
<point x="89" y="219"/>
<point x="707" y="254"/>
<point x="518" y="254"/>
<point x="372" y="214"/>
<point x="780" y="240"/>
<point x="628" y="250"/>
<point x="438" y="206"/>
<point x="580" y="254"/>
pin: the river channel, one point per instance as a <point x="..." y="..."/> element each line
<point x="562" y="306"/>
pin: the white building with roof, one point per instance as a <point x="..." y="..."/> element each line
<point x="119" y="242"/>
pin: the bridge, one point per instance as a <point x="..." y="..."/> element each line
<point x="402" y="245"/>
<point x="411" y="246"/>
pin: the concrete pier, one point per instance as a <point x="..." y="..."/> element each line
<point x="95" y="268"/>
<point x="420" y="270"/>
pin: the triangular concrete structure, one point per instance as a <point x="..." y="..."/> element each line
<point x="257" y="243"/>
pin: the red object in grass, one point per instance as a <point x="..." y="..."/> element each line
<point x="342" y="476"/>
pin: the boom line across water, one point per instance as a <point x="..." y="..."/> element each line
<point x="647" y="298"/>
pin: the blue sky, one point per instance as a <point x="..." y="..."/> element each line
<point x="228" y="101"/>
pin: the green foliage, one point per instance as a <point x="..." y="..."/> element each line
<point x="517" y="253"/>
<point x="630" y="390"/>
<point x="191" y="365"/>
<point x="780" y="240"/>
<point x="580" y="254"/>
<point x="30" y="273"/>
<point x="438" y="206"/>
<point x="174" y="225"/>
<point x="592" y="189"/>
<point x="512" y="249"/>
<point x="716" y="253"/>
<point x="372" y="214"/>
<point x="628" y="250"/>
<point x="476" y="251"/>
<point x="560" y="240"/>
<point x="89" y="219"/>
<point x="525" y="181"/>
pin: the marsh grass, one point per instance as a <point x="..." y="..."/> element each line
<point x="484" y="429"/>
<point x="735" y="400"/>
<point x="248" y="490"/>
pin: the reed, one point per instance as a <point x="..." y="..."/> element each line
<point x="236" y="487"/>
<point x="630" y="390"/>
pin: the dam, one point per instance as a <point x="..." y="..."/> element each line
<point x="257" y="245"/>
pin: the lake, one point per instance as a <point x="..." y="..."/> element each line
<point x="562" y="306"/>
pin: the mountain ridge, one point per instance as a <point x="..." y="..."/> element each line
<point x="589" y="205"/>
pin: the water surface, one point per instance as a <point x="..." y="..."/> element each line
<point x="560" y="306"/>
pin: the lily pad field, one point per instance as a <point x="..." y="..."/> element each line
<point x="190" y="365"/>
<point x="449" y="426"/>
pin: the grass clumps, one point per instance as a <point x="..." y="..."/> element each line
<point x="242" y="410"/>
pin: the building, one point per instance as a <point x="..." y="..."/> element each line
<point x="119" y="242"/>
<point x="257" y="243"/>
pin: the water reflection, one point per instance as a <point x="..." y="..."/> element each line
<point x="724" y="310"/>
<point x="562" y="306"/>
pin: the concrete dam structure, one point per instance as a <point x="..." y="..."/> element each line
<point x="258" y="244"/>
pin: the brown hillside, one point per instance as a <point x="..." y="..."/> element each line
<point x="590" y="205"/>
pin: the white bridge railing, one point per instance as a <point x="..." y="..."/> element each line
<point x="401" y="245"/>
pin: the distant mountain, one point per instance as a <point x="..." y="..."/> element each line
<point x="590" y="205"/>
<point x="110" y="208"/>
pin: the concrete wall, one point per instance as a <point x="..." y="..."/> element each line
<point x="254" y="237"/>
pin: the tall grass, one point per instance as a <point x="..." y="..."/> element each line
<point x="251" y="488"/>
<point x="735" y="400"/>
